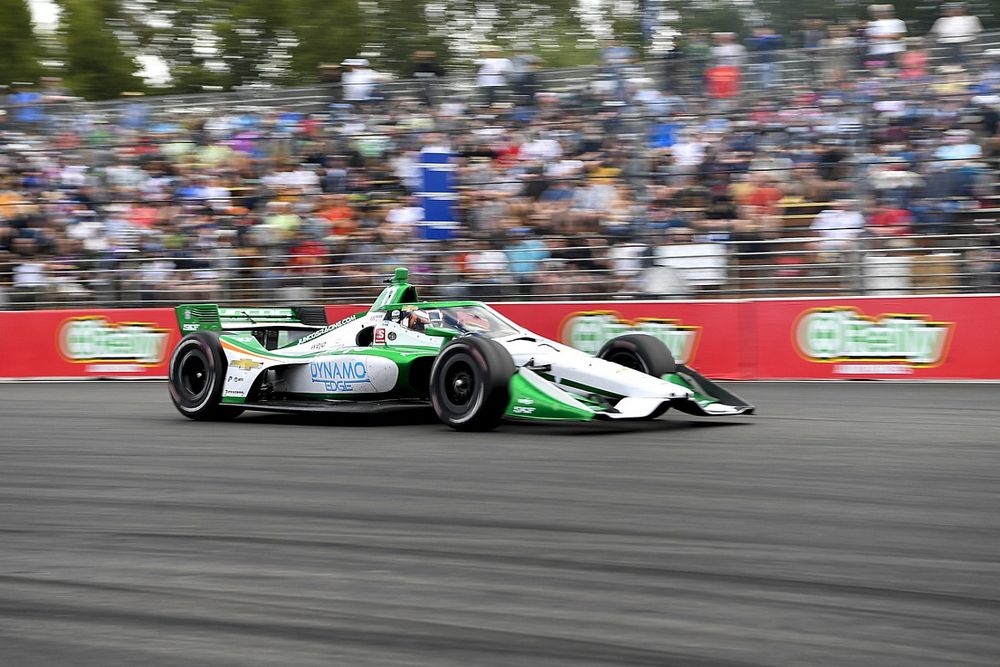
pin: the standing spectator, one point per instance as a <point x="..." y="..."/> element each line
<point x="525" y="255"/>
<point x="524" y="77"/>
<point x="728" y="55"/>
<point x="491" y="78"/>
<point x="885" y="35"/>
<point x="913" y="62"/>
<point x="955" y="31"/>
<point x="427" y="71"/>
<point x="839" y="53"/>
<point x="764" y="43"/>
<point x="698" y="52"/>
<point x="359" y="81"/>
<point x="615" y="59"/>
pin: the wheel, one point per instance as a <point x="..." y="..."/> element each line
<point x="470" y="383"/>
<point x="197" y="373"/>
<point x="640" y="352"/>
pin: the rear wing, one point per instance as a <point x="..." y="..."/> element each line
<point x="210" y="317"/>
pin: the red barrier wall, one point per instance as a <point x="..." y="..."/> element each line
<point x="87" y="343"/>
<point x="937" y="337"/>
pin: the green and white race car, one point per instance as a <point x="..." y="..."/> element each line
<point x="474" y="366"/>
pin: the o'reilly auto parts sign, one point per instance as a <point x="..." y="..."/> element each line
<point x="591" y="330"/>
<point x="841" y="334"/>
<point x="85" y="340"/>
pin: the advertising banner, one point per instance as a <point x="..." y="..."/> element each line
<point x="903" y="338"/>
<point x="944" y="337"/>
<point x="129" y="343"/>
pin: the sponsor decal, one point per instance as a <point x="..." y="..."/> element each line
<point x="326" y="330"/>
<point x="591" y="330"/>
<point x="523" y="407"/>
<point x="189" y="327"/>
<point x="380" y="335"/>
<point x="245" y="364"/>
<point x="84" y="340"/>
<point x="392" y="335"/>
<point x="839" y="334"/>
<point x="340" y="375"/>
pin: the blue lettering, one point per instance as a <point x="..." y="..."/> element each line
<point x="338" y="376"/>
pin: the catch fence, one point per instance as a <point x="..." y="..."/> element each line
<point x="574" y="268"/>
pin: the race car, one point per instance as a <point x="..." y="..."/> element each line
<point x="473" y="365"/>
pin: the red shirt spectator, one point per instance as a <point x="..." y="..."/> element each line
<point x="891" y="222"/>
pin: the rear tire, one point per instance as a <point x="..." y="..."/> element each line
<point x="640" y="352"/>
<point x="197" y="373"/>
<point x="470" y="383"/>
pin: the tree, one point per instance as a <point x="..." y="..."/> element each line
<point x="257" y="39"/>
<point x="327" y="33"/>
<point x="18" y="43"/>
<point x="97" y="66"/>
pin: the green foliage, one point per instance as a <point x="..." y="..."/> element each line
<point x="97" y="66"/>
<point x="18" y="43"/>
<point x="328" y="31"/>
<point x="256" y="38"/>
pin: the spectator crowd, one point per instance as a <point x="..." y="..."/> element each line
<point x="791" y="152"/>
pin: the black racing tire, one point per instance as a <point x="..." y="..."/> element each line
<point x="197" y="373"/>
<point x="640" y="352"/>
<point x="470" y="383"/>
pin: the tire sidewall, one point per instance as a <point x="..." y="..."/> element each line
<point x="491" y="368"/>
<point x="206" y="346"/>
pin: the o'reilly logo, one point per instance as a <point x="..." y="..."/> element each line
<point x="95" y="339"/>
<point x="844" y="334"/>
<point x="590" y="331"/>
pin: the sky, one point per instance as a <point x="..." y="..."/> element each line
<point x="44" y="13"/>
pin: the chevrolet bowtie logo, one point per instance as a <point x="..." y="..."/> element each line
<point x="246" y="364"/>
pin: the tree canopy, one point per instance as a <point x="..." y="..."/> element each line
<point x="105" y="47"/>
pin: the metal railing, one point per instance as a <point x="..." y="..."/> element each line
<point x="574" y="270"/>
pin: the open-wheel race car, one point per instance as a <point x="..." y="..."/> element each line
<point x="474" y="366"/>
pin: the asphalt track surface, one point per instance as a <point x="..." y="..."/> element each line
<point x="846" y="524"/>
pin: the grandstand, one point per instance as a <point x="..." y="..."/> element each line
<point x="595" y="185"/>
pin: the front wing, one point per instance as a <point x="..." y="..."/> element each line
<point x="534" y="397"/>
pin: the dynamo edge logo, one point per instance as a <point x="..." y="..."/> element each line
<point x="342" y="375"/>
<point x="589" y="332"/>
<point x="845" y="334"/>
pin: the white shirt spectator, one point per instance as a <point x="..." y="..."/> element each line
<point x="492" y="72"/>
<point x="544" y="150"/>
<point x="218" y="197"/>
<point x="626" y="259"/>
<point x="30" y="274"/>
<point x="731" y="54"/>
<point x="407" y="215"/>
<point x="359" y="83"/>
<point x="885" y="36"/>
<point x="958" y="29"/>
<point x="689" y="153"/>
<point x="492" y="262"/>
<point x="837" y="227"/>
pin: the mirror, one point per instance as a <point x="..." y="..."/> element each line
<point x="441" y="332"/>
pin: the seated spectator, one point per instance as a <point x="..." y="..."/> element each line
<point x="838" y="226"/>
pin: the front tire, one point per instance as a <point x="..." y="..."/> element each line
<point x="197" y="373"/>
<point x="640" y="352"/>
<point x="470" y="383"/>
